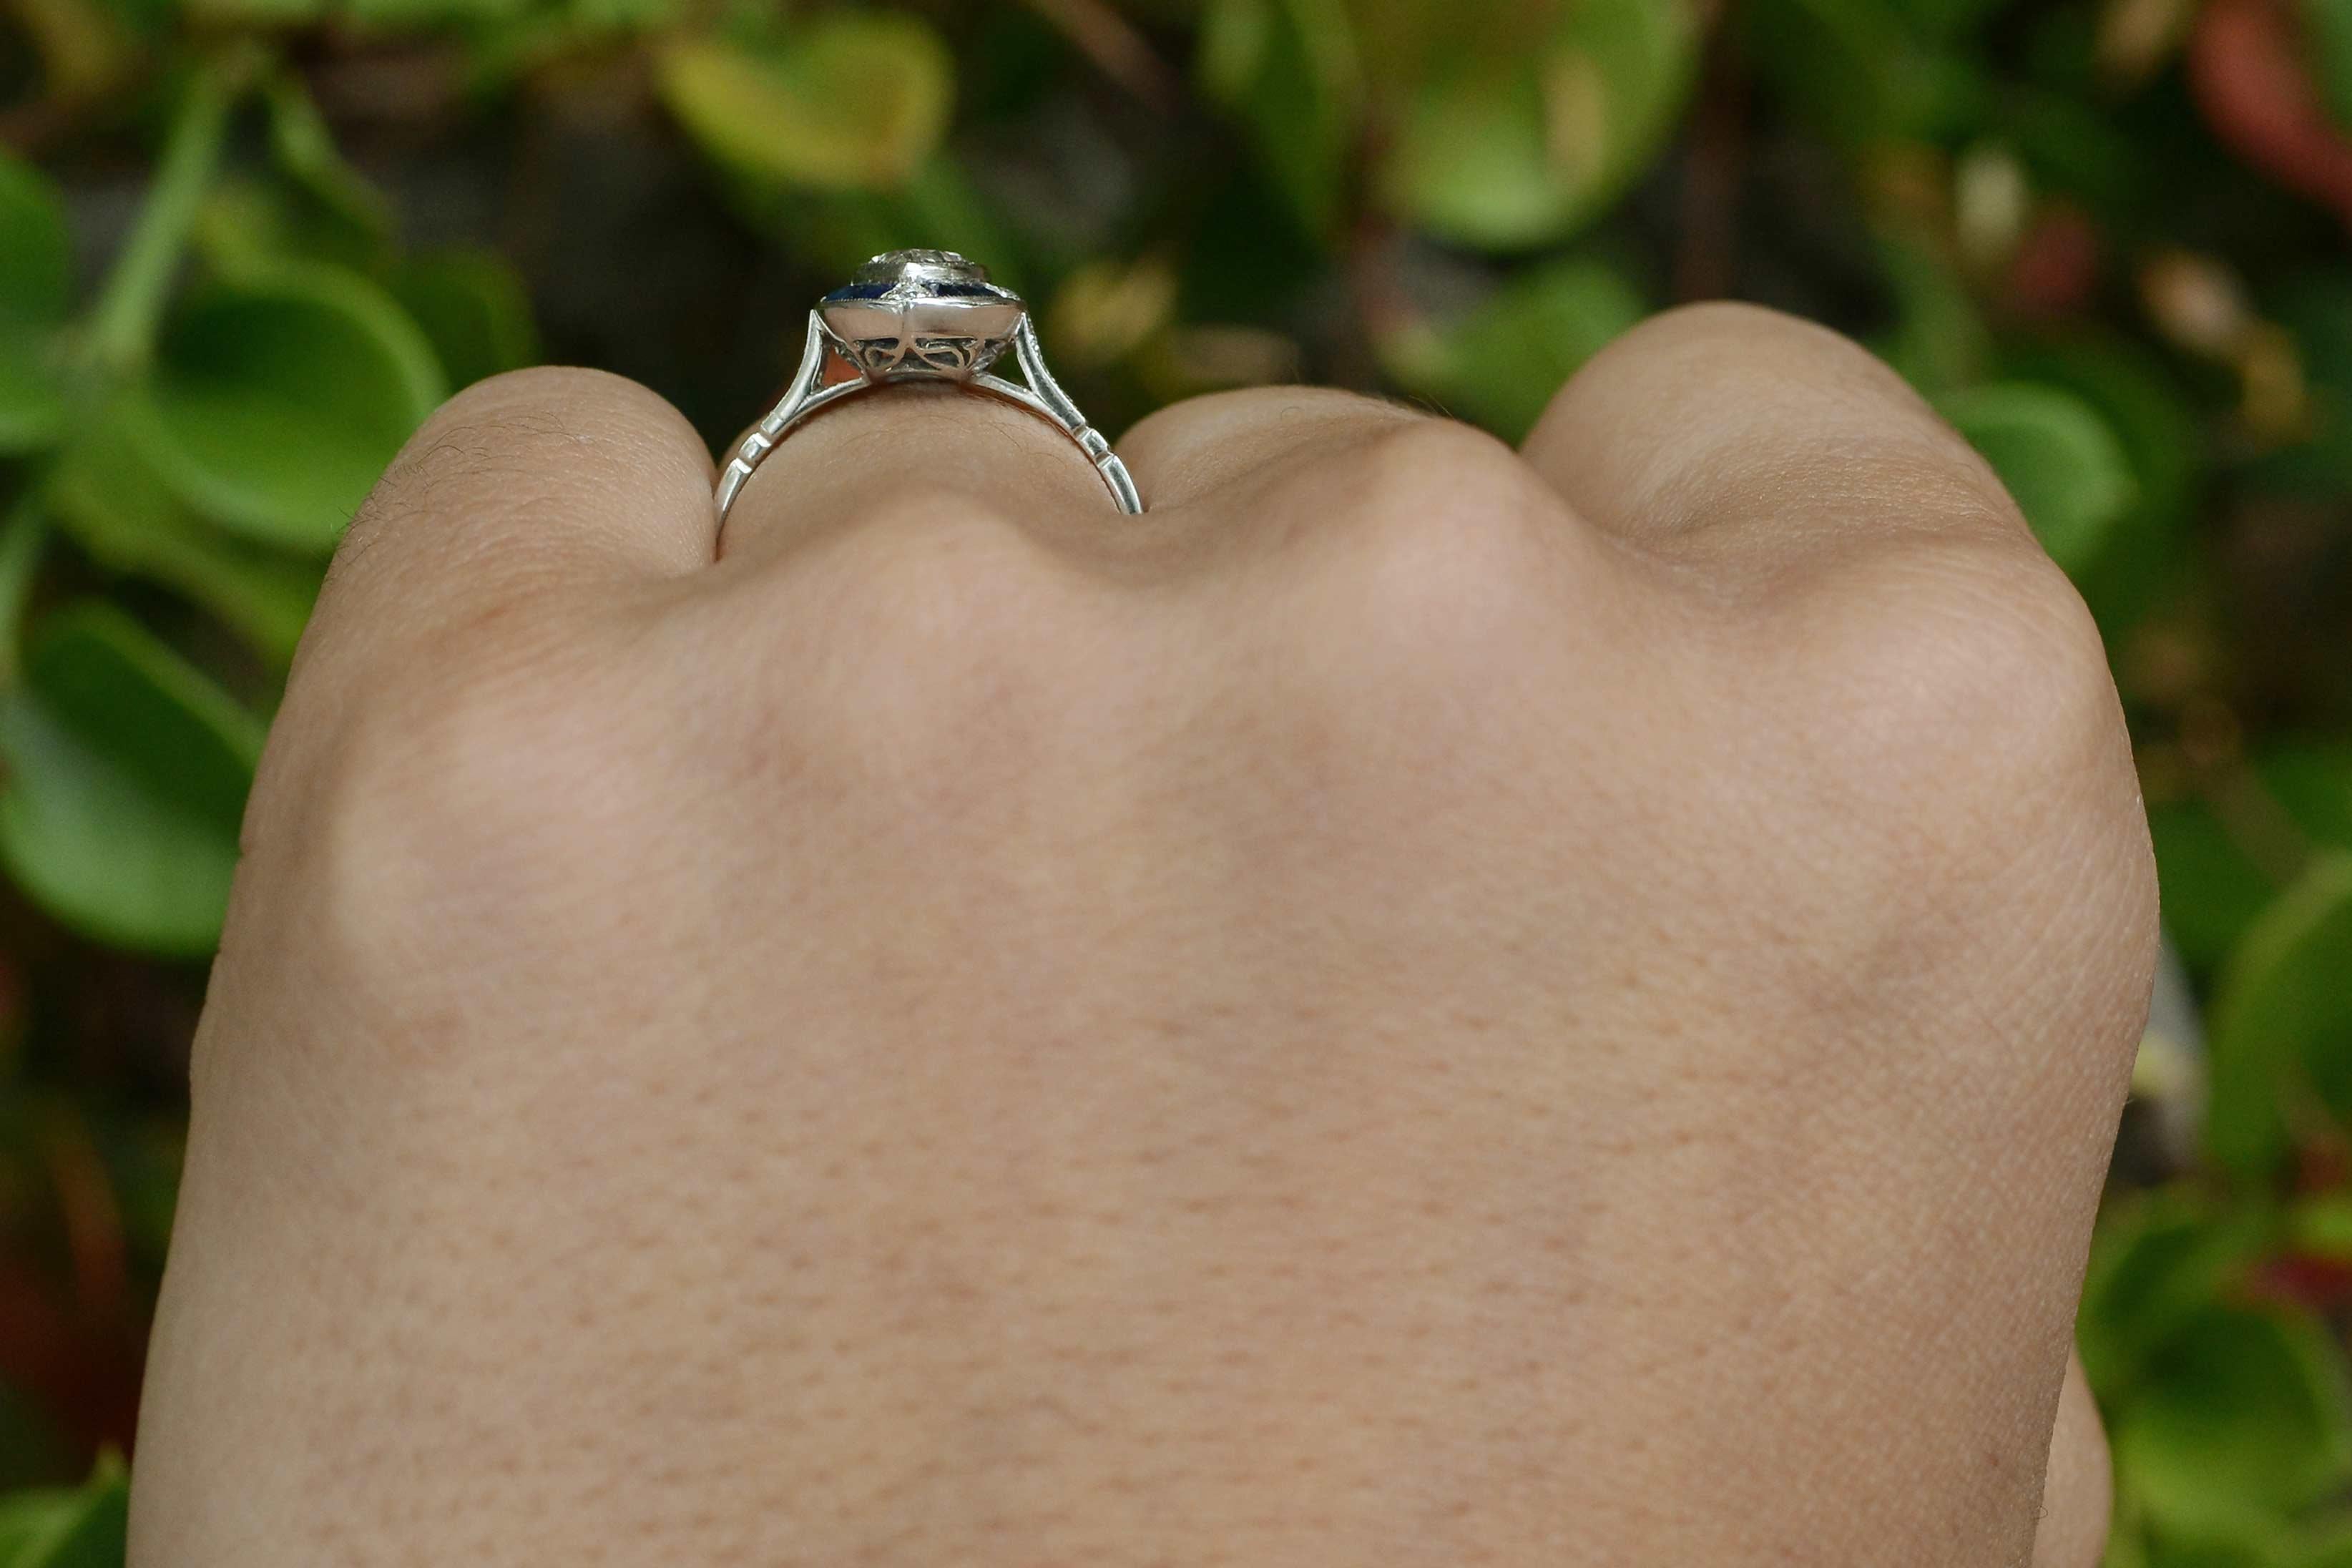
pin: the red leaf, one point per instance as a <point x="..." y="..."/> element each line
<point x="2244" y="69"/>
<point x="2057" y="266"/>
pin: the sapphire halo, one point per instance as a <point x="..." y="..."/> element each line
<point x="921" y="313"/>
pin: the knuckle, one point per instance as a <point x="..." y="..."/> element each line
<point x="1954" y="811"/>
<point x="1960" y="652"/>
<point x="931" y="620"/>
<point x="469" y="437"/>
<point x="1435" y="559"/>
<point x="536" y="398"/>
<point x="1964" y="740"/>
<point x="1765" y="353"/>
<point x="1712" y="322"/>
<point x="1428" y="468"/>
<point x="497" y="446"/>
<point x="927" y="566"/>
<point x="449" y="807"/>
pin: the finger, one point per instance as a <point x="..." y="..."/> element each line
<point x="520" y="486"/>
<point x="1225" y="441"/>
<point x="1754" y="443"/>
<point x="944" y="442"/>
<point x="2076" y="1491"/>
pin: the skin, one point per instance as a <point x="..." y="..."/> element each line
<point x="1416" y="1004"/>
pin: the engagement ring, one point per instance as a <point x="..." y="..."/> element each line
<point x="923" y="315"/>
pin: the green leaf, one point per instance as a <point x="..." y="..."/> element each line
<point x="109" y="499"/>
<point x="834" y="231"/>
<point x="509" y="41"/>
<point x="36" y="263"/>
<point x="1947" y="20"/>
<point x="2061" y="463"/>
<point x="2240" y="1543"/>
<point x="1940" y="342"/>
<point x="2327" y="37"/>
<point x="626" y="16"/>
<point x="31" y="1449"/>
<point x="2333" y="1549"/>
<point x="2146" y="553"/>
<point x="127" y="775"/>
<point x="278" y="398"/>
<point x="1857" y="69"/>
<point x="2318" y="311"/>
<point x="2157" y="1259"/>
<point x="22" y="539"/>
<point x="1499" y="365"/>
<point x="942" y="198"/>
<point x="35" y="290"/>
<point x="473" y="308"/>
<point x="254" y="13"/>
<point x="2243" y="1417"/>
<point x="249" y="227"/>
<point x="856" y="102"/>
<point x="85" y="48"/>
<point x="1288" y="69"/>
<point x="397" y="14"/>
<point x="2313" y="781"/>
<point x="28" y="1517"/>
<point x="2320" y="1225"/>
<point x="60" y="1528"/>
<point x="33" y="406"/>
<point x="2214" y="889"/>
<point x="2280" y="1029"/>
<point x="305" y="148"/>
<point x="1509" y="149"/>
<point x="144" y="1153"/>
<point x="2213" y="892"/>
<point x="2076" y="149"/>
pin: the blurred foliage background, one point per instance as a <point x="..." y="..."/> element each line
<point x="247" y="245"/>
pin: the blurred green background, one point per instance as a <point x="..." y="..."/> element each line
<point x="247" y="245"/>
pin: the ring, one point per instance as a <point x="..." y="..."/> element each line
<point x="923" y="315"/>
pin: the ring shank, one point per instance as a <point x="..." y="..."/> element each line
<point x="1043" y="396"/>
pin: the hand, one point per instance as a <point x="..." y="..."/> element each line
<point x="1416" y="1004"/>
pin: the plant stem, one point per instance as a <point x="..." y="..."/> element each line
<point x="122" y="324"/>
